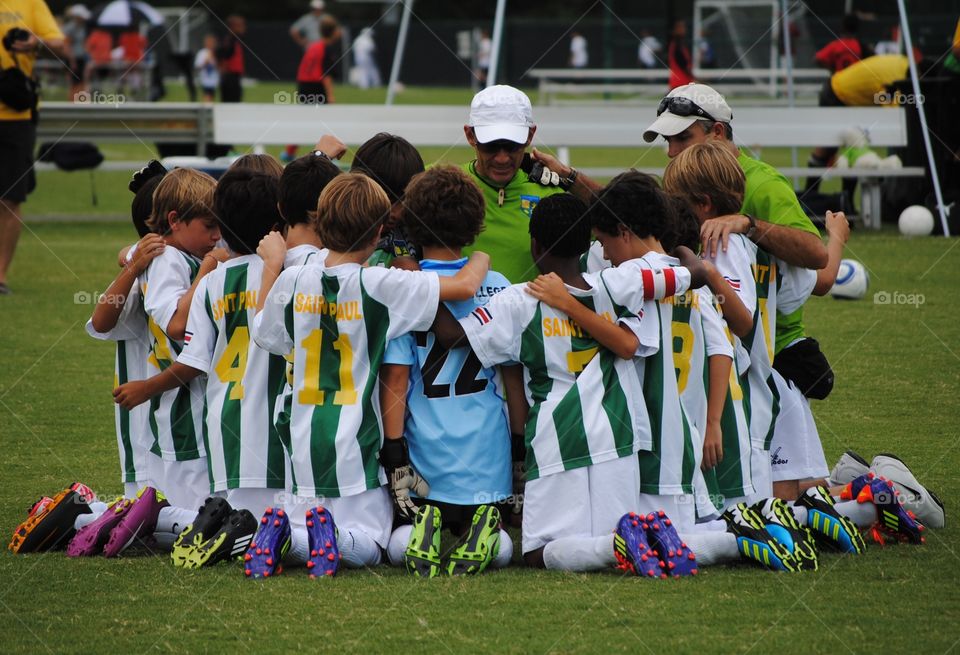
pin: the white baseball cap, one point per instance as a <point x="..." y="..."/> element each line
<point x="317" y="4"/>
<point x="694" y="102"/>
<point x="79" y="11"/>
<point x="501" y="112"/>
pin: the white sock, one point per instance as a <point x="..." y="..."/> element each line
<point x="863" y="515"/>
<point x="580" y="553"/>
<point x="799" y="512"/>
<point x="506" y="551"/>
<point x="299" y="551"/>
<point x="175" y="519"/>
<point x="397" y="545"/>
<point x="716" y="525"/>
<point x="358" y="549"/>
<point x="712" y="547"/>
<point x="96" y="510"/>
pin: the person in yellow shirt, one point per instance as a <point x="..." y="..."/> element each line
<point x="862" y="84"/>
<point x="27" y="25"/>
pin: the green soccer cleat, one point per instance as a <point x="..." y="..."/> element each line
<point x="780" y="522"/>
<point x="827" y="525"/>
<point x="422" y="557"/>
<point x="207" y="523"/>
<point x="229" y="542"/>
<point x="480" y="546"/>
<point x="754" y="541"/>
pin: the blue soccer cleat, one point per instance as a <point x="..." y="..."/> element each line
<point x="269" y="546"/>
<point x="754" y="541"/>
<point x="322" y="540"/>
<point x="676" y="558"/>
<point x="632" y="550"/>
<point x="827" y="525"/>
<point x="780" y="522"/>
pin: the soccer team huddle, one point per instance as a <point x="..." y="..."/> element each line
<point x="312" y="359"/>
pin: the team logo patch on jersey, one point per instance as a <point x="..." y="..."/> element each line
<point x="483" y="315"/>
<point x="527" y="203"/>
<point x="187" y="336"/>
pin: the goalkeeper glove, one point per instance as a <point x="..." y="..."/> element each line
<point x="402" y="478"/>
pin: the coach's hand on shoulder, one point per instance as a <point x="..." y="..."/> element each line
<point x="717" y="230"/>
<point x="145" y="252"/>
<point x="131" y="394"/>
<point x="402" y="478"/>
<point x="331" y="146"/>
<point x="551" y="162"/>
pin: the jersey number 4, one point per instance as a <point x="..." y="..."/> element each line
<point x="466" y="383"/>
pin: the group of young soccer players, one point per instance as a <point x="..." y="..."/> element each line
<point x="308" y="357"/>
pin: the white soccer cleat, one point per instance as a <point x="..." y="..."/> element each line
<point x="848" y="468"/>
<point x="913" y="495"/>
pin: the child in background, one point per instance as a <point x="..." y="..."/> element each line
<point x="205" y="64"/>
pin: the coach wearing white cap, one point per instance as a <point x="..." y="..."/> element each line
<point x="499" y="129"/>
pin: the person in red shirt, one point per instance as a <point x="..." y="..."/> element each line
<point x="846" y="50"/>
<point x="314" y="84"/>
<point x="230" y="58"/>
<point x="678" y="56"/>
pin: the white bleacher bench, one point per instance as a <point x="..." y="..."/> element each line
<point x="580" y="81"/>
<point x="559" y="128"/>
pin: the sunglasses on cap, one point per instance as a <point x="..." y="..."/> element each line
<point x="680" y="106"/>
<point x="493" y="147"/>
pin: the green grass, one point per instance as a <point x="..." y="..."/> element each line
<point x="897" y="390"/>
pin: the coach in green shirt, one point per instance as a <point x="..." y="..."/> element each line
<point x="500" y="129"/>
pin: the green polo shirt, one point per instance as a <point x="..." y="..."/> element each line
<point x="506" y="232"/>
<point x="770" y="197"/>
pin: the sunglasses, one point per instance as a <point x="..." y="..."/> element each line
<point x="679" y="106"/>
<point x="493" y="147"/>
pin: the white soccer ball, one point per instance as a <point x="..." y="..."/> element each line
<point x="852" y="281"/>
<point x="915" y="221"/>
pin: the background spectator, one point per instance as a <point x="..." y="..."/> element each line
<point x="364" y="47"/>
<point x="846" y="50"/>
<point x="230" y="58"/>
<point x="649" y="50"/>
<point x="578" y="51"/>
<point x="205" y="64"/>
<point x="75" y="31"/>
<point x="306" y="29"/>
<point x="678" y="56"/>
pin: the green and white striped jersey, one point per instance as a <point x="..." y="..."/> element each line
<point x="134" y="438"/>
<point x="176" y="416"/>
<point x="586" y="403"/>
<point x="668" y="467"/>
<point x="244" y="449"/>
<point x="337" y="320"/>
<point x="766" y="285"/>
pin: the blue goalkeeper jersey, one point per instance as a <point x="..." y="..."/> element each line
<point x="456" y="424"/>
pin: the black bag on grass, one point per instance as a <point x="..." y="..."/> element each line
<point x="806" y="366"/>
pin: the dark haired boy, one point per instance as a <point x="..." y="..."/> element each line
<point x="444" y="407"/>
<point x="391" y="161"/>
<point x="301" y="184"/>
<point x="246" y="456"/>
<point x="587" y="419"/>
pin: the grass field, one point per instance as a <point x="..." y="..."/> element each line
<point x="897" y="390"/>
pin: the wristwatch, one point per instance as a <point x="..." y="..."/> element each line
<point x="569" y="180"/>
<point x="752" y="231"/>
<point x="321" y="153"/>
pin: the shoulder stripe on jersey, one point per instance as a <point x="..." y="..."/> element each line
<point x="483" y="315"/>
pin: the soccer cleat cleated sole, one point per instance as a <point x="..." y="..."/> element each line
<point x="927" y="507"/>
<point x="633" y="550"/>
<point x="91" y="538"/>
<point x="676" y="559"/>
<point x="422" y="556"/>
<point x="755" y="542"/>
<point x="50" y="525"/>
<point x="265" y="555"/>
<point x="140" y="521"/>
<point x="892" y="516"/>
<point x="207" y="523"/>
<point x="322" y="541"/>
<point x="480" y="546"/>
<point x="828" y="525"/>
<point x="229" y="542"/>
